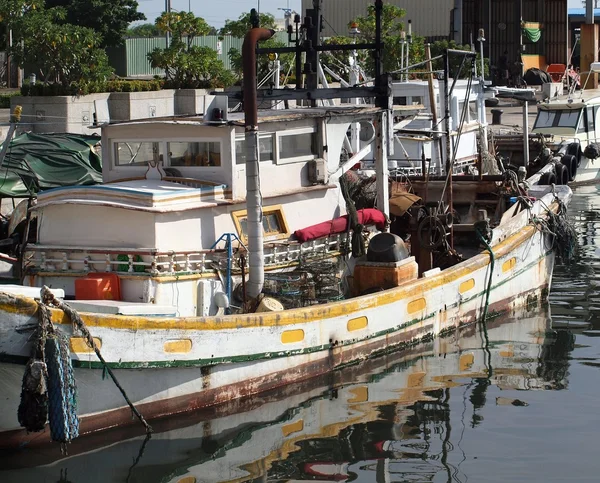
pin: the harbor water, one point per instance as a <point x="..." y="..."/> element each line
<point x="513" y="400"/>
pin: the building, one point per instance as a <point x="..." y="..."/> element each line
<point x="430" y="18"/>
<point x="507" y="23"/>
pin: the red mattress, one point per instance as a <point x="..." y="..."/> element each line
<point x="369" y="216"/>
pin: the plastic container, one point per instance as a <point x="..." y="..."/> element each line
<point x="98" y="286"/>
<point x="88" y="289"/>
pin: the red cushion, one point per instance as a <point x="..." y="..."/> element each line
<point x="369" y="216"/>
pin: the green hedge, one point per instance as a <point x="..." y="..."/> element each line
<point x="82" y="89"/>
<point x="5" y="98"/>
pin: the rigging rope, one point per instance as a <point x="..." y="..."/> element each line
<point x="48" y="298"/>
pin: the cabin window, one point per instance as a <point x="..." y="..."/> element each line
<point x="194" y="153"/>
<point x="298" y="146"/>
<point x="274" y="223"/>
<point x="545" y="119"/>
<point x="265" y="142"/>
<point x="568" y="118"/>
<point x="136" y="153"/>
<point x="473" y="111"/>
<point x="591" y="116"/>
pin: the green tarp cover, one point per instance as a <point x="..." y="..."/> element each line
<point x="532" y="31"/>
<point x="37" y="162"/>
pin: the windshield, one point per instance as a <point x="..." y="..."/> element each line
<point x="567" y="118"/>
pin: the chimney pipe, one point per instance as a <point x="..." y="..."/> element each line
<point x="256" y="262"/>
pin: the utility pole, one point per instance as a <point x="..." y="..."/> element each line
<point x="589" y="50"/>
<point x="168" y="10"/>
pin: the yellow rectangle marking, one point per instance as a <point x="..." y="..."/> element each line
<point x="416" y="306"/>
<point x="181" y="346"/>
<point x="360" y="394"/>
<point x="415" y="379"/>
<point x="466" y="285"/>
<point x="293" y="427"/>
<point x="292" y="336"/>
<point x="466" y="362"/>
<point x="508" y="265"/>
<point x="80" y="346"/>
<point x="357" y="324"/>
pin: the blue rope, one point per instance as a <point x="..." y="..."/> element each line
<point x="62" y="393"/>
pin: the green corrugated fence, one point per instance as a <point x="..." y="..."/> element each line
<point x="131" y="59"/>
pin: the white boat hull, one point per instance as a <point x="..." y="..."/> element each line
<point x="171" y="365"/>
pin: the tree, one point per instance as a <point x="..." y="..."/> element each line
<point x="64" y="53"/>
<point x="110" y="18"/>
<point x="187" y="65"/>
<point x="392" y="28"/>
<point x="143" y="30"/>
<point x="238" y="28"/>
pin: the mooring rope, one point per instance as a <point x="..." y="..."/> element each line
<point x="487" y="296"/>
<point x="48" y="298"/>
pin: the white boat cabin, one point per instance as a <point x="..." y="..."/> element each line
<point x="174" y="188"/>
<point x="570" y="119"/>
<point x="415" y="136"/>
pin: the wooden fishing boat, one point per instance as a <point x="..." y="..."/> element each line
<point x="183" y="324"/>
<point x="246" y="441"/>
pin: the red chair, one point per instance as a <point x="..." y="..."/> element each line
<point x="557" y="72"/>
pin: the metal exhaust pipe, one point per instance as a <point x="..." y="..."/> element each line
<point x="256" y="262"/>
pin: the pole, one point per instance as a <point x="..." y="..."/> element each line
<point x="448" y="138"/>
<point x="408" y="42"/>
<point x="168" y="10"/>
<point x="589" y="12"/>
<point x="526" y="134"/>
<point x="381" y="164"/>
<point x="433" y="103"/>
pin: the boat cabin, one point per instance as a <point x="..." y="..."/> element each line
<point x="415" y="136"/>
<point x="570" y="119"/>
<point x="173" y="196"/>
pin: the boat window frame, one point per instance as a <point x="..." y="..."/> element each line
<point x="284" y="232"/>
<point x="556" y="119"/>
<point x="261" y="135"/>
<point x="115" y="156"/>
<point x="295" y="132"/>
<point x="163" y="152"/>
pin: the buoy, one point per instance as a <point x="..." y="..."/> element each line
<point x="269" y="304"/>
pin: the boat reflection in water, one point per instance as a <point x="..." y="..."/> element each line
<point x="386" y="419"/>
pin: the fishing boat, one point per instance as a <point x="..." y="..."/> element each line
<point x="254" y="438"/>
<point x="222" y="257"/>
<point x="563" y="143"/>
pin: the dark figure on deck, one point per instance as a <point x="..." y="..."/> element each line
<point x="503" y="70"/>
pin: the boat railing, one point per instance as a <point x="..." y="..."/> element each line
<point x="151" y="262"/>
